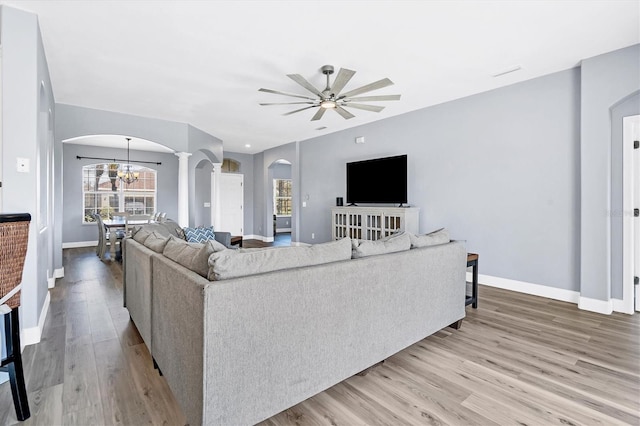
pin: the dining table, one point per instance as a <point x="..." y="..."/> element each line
<point x="113" y="225"/>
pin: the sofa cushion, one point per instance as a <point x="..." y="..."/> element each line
<point x="173" y="228"/>
<point x="238" y="263"/>
<point x="156" y="242"/>
<point x="439" y="236"/>
<point x="199" y="235"/>
<point x="193" y="256"/>
<point x="391" y="244"/>
<point x="142" y="232"/>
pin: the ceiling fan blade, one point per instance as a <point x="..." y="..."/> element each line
<point x="374" y="108"/>
<point x="344" y="113"/>
<point x="343" y="77"/>
<point x="285" y="93"/>
<point x="288" y="103"/>
<point x="304" y="83"/>
<point x="318" y="115"/>
<point x="369" y="87"/>
<point x="376" y="98"/>
<point x="298" y="110"/>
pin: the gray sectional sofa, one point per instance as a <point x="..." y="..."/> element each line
<point x="239" y="349"/>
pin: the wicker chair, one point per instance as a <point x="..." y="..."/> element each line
<point x="14" y="235"/>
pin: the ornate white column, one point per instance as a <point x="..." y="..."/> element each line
<point x="216" y="211"/>
<point x="183" y="188"/>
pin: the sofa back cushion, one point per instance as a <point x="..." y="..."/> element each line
<point x="390" y="244"/>
<point x="156" y="242"/>
<point x="440" y="236"/>
<point x="193" y="256"/>
<point x="141" y="232"/>
<point x="228" y="264"/>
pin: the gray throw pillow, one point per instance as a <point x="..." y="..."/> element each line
<point x="439" y="236"/>
<point x="200" y="262"/>
<point x="391" y="244"/>
<point x="193" y="256"/>
<point x="156" y="242"/>
<point x="172" y="228"/>
<point x="141" y="233"/>
<point x="228" y="264"/>
<point x="180" y="251"/>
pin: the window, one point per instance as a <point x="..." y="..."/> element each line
<point x="282" y="197"/>
<point x="104" y="193"/>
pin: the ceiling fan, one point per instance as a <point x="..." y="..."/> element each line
<point x="332" y="98"/>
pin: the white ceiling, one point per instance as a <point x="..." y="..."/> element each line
<point x="202" y="62"/>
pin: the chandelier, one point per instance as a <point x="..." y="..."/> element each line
<point x="126" y="175"/>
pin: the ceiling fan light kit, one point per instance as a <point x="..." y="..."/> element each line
<point x="332" y="97"/>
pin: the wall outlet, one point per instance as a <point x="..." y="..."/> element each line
<point x="313" y="236"/>
<point x="207" y="204"/>
<point x="304" y="204"/>
<point x="286" y="222"/>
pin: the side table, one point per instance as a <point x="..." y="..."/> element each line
<point x="236" y="240"/>
<point x="472" y="261"/>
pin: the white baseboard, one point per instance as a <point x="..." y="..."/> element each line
<point x="620" y="306"/>
<point x="593" y="305"/>
<point x="51" y="282"/>
<point x="79" y="244"/>
<point x="258" y="237"/>
<point x="283" y="230"/>
<point x="596" y="305"/>
<point x="32" y="335"/>
<point x="528" y="288"/>
<point x="58" y="273"/>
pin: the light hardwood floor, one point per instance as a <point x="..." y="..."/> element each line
<point x="517" y="359"/>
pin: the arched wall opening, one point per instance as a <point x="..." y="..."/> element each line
<point x="279" y="205"/>
<point x="111" y="149"/>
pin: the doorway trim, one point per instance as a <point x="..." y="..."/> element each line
<point x="631" y="132"/>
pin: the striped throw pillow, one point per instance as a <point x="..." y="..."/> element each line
<point x="199" y="235"/>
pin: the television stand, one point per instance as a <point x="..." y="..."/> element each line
<point x="372" y="223"/>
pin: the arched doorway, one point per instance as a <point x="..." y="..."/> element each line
<point x="280" y="204"/>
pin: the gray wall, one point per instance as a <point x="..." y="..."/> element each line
<point x="27" y="129"/>
<point x="258" y="194"/>
<point x="606" y="80"/>
<point x="202" y="214"/>
<point x="498" y="169"/>
<point x="74" y="121"/>
<point x="630" y="106"/>
<point x="73" y="230"/>
<point x="246" y="169"/>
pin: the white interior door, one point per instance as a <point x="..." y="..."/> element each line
<point x="231" y="203"/>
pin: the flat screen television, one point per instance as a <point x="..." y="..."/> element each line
<point x="381" y="180"/>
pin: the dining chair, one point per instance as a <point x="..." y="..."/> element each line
<point x="104" y="237"/>
<point x="133" y="220"/>
<point x="101" y="248"/>
<point x="14" y="236"/>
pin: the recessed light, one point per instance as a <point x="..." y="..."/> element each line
<point x="247" y="145"/>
